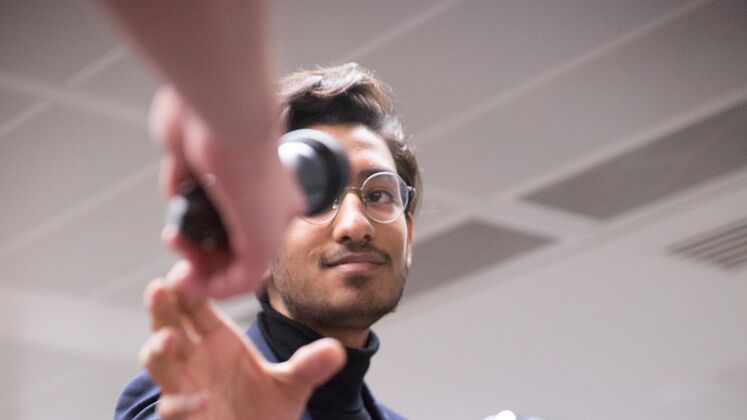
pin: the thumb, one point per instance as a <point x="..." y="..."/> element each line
<point x="314" y="364"/>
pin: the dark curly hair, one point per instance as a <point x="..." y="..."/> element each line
<point x="350" y="94"/>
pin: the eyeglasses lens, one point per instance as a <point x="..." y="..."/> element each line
<point x="384" y="196"/>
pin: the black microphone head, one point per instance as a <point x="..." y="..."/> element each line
<point x="320" y="164"/>
<point x="196" y="217"/>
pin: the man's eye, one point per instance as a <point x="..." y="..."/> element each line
<point x="380" y="196"/>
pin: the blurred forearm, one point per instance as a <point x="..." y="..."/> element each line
<point x="215" y="52"/>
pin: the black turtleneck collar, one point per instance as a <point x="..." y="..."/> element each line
<point x="344" y="395"/>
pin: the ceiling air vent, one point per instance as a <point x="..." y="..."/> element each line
<point x="697" y="154"/>
<point x="464" y="249"/>
<point x="724" y="247"/>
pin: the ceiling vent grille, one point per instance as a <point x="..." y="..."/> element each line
<point x="724" y="247"/>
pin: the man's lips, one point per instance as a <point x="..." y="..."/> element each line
<point x="351" y="258"/>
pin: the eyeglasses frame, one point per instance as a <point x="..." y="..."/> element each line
<point x="359" y="192"/>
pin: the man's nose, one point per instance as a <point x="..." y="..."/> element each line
<point x="351" y="222"/>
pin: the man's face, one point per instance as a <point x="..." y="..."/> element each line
<point x="348" y="273"/>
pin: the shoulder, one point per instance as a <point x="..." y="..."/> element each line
<point x="388" y="414"/>
<point x="138" y="400"/>
<point x="371" y="401"/>
<point x="255" y="335"/>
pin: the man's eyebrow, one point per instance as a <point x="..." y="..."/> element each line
<point x="364" y="174"/>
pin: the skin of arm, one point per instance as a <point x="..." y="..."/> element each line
<point x="217" y="118"/>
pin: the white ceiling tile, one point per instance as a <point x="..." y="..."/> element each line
<point x="26" y="374"/>
<point x="480" y="48"/>
<point x="431" y="215"/>
<point x="127" y="287"/>
<point x="61" y="158"/>
<point x="100" y="246"/>
<point x="52" y="41"/>
<point x="12" y="103"/>
<point x="70" y="386"/>
<point x="305" y="34"/>
<point x="664" y="75"/>
<point x="89" y="394"/>
<point x="127" y="81"/>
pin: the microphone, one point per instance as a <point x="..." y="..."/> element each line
<point x="320" y="166"/>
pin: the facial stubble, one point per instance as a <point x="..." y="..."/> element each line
<point x="307" y="305"/>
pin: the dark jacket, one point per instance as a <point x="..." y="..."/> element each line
<point x="139" y="398"/>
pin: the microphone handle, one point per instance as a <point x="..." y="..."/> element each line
<point x="320" y="166"/>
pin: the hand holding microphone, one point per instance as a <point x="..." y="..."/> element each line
<point x="320" y="167"/>
<point x="219" y="116"/>
<point x="227" y="227"/>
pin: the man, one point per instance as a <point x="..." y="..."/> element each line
<point x="336" y="274"/>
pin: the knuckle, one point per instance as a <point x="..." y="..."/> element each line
<point x="146" y="355"/>
<point x="154" y="350"/>
<point x="150" y="292"/>
<point x="164" y="411"/>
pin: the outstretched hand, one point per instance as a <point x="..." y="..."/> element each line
<point x="207" y="369"/>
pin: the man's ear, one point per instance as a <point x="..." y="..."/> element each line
<point x="409" y="220"/>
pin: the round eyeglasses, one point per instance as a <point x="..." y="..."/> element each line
<point x="384" y="196"/>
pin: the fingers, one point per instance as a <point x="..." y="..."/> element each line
<point x="203" y="316"/>
<point x="215" y="274"/>
<point x="164" y="353"/>
<point x="161" y="306"/>
<point x="179" y="406"/>
<point x="189" y="290"/>
<point x="209" y="263"/>
<point x="163" y="356"/>
<point x="312" y="364"/>
<point x="234" y="280"/>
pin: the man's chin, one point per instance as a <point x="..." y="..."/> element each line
<point x="347" y="308"/>
<point x="352" y="317"/>
<point x="357" y="281"/>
